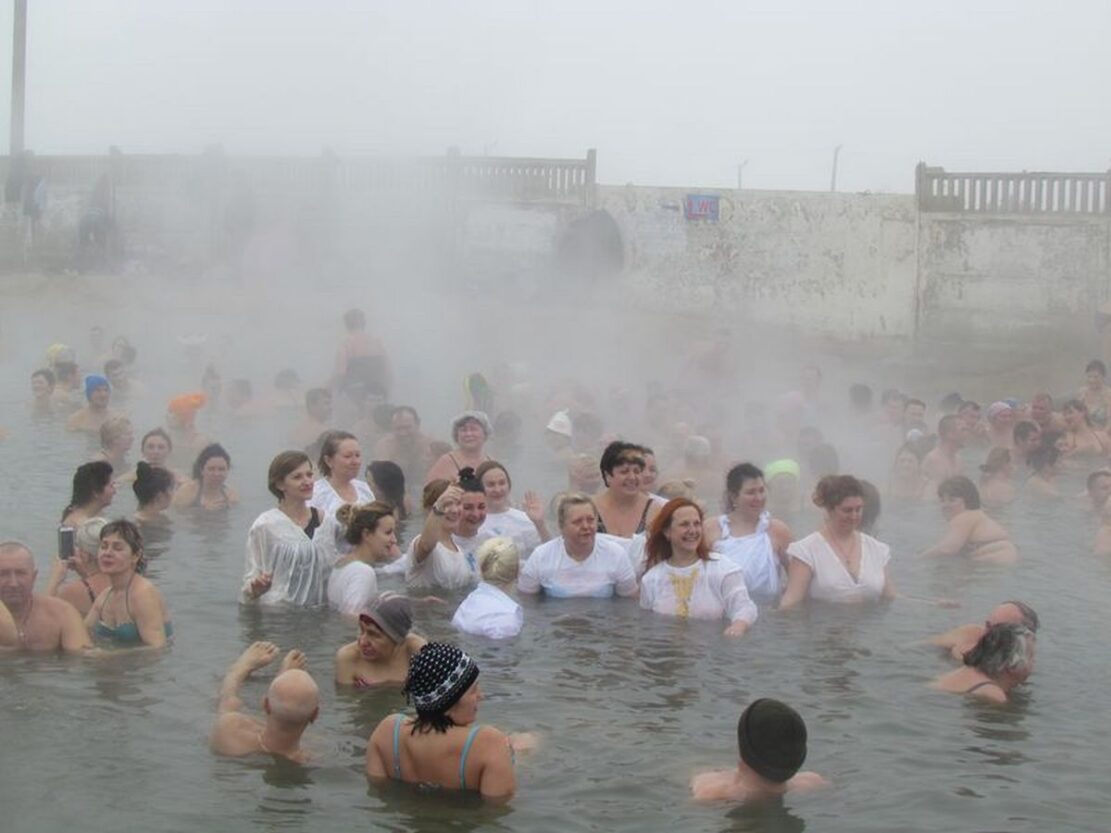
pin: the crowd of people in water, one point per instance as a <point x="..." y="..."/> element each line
<point x="664" y="514"/>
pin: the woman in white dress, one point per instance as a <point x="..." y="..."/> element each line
<point x="749" y="536"/>
<point x="284" y="562"/>
<point x="527" y="528"/>
<point x="684" y="579"/>
<point x="838" y="563"/>
<point x="434" y="560"/>
<point x="341" y="461"/>
<point x="580" y="562"/>
<point x="370" y="530"/>
<point x="490" y="610"/>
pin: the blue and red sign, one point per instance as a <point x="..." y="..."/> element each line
<point x="702" y="207"/>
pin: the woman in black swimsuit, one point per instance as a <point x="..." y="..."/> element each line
<point x="1002" y="659"/>
<point x="624" y="509"/>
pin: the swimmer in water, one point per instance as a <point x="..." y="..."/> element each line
<point x="527" y="526"/>
<point x="317" y="418"/>
<point x="578" y="563"/>
<point x="181" y="422"/>
<point x="971" y="532"/>
<point x="1096" y="395"/>
<point x="89" y="419"/>
<point x="1043" y="460"/>
<point x="962" y="639"/>
<point x="997" y="488"/>
<point x="208" y="490"/>
<point x="340" y="464"/>
<point x="1097" y="490"/>
<point x="624" y="508"/>
<point x="907" y="484"/>
<point x="1082" y="444"/>
<point x="154" y="490"/>
<point x="771" y="737"/>
<point x="130" y="612"/>
<point x="442" y="746"/>
<point x="116" y="438"/>
<point x="42" y="393"/>
<point x="943" y="462"/>
<point x="291" y="703"/>
<point x="43" y="623"/>
<point x="93" y="492"/>
<point x="434" y="559"/>
<point x="369" y="531"/>
<point x="748" y="535"/>
<point x="1001" y="660"/>
<point x="381" y="654"/>
<point x="838" y="563"/>
<point x="155" y="449"/>
<point x="90" y="581"/>
<point x="684" y="579"/>
<point x="470" y="430"/>
<point x="490" y="610"/>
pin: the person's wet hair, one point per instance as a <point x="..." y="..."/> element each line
<point x="362" y="517"/>
<point x="736" y="478"/>
<point x="832" y="490"/>
<point x="390" y="480"/>
<point x="131" y="536"/>
<point x="1003" y="648"/>
<point x="489" y="466"/>
<point x="207" y="453"/>
<point x="1024" y="430"/>
<point x="151" y="482"/>
<point x="468" y="480"/>
<point x="619" y="453"/>
<point x="157" y="432"/>
<point x="46" y="375"/>
<point x="281" y="467"/>
<point x="960" y="487"/>
<point x="89" y="480"/>
<point x="1029" y="615"/>
<point x="499" y="560"/>
<point x="432" y="491"/>
<point x="1045" y="455"/>
<point x="1097" y="366"/>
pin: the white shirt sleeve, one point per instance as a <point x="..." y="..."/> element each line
<point x="528" y="581"/>
<point x="255" y="563"/>
<point x="734" y="594"/>
<point x="801" y="551"/>
<point x="625" y="580"/>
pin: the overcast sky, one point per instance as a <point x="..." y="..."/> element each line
<point x="669" y="93"/>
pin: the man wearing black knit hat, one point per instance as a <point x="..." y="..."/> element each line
<point x="772" y="741"/>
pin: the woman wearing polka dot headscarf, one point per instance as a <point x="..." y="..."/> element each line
<point x="442" y="746"/>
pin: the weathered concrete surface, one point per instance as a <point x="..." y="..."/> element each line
<point x="834" y="264"/>
<point x="984" y="277"/>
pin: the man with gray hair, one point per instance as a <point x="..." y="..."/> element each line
<point x="291" y="703"/>
<point x="961" y="639"/>
<point x="42" y="623"/>
<point x="1001" y="660"/>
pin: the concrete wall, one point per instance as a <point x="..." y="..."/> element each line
<point x="983" y="276"/>
<point x="836" y="264"/>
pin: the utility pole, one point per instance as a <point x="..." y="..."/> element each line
<point x="833" y="176"/>
<point x="19" y="72"/>
<point x="740" y="175"/>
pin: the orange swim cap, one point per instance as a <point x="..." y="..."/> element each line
<point x="185" y="407"/>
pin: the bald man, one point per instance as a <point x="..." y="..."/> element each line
<point x="961" y="640"/>
<point x="291" y="703"/>
<point x="42" y="623"/>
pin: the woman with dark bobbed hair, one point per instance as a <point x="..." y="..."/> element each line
<point x="971" y="531"/>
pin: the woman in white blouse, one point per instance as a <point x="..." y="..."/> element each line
<point x="341" y="461"/>
<point x="838" y="563"/>
<point x="685" y="579"/>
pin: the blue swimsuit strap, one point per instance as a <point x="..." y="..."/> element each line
<point x="463" y="757"/>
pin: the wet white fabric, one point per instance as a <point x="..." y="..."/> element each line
<point x="704" y="590"/>
<point x="298" y="566"/>
<point x="442" y="569"/>
<point x="515" y="525"/>
<point x="469" y="548"/>
<point x="830" y="581"/>
<point x="602" y="573"/>
<point x="755" y="554"/>
<point x="352" y="587"/>
<point x="327" y="500"/>
<point x="489" y="611"/>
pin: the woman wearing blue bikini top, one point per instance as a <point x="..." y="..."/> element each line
<point x="442" y="746"/>
<point x="130" y="612"/>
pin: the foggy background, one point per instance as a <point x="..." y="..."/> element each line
<point x="668" y="95"/>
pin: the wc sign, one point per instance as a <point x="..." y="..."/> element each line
<point x="702" y="207"/>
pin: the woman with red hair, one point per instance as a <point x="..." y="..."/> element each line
<point x="685" y="579"/>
